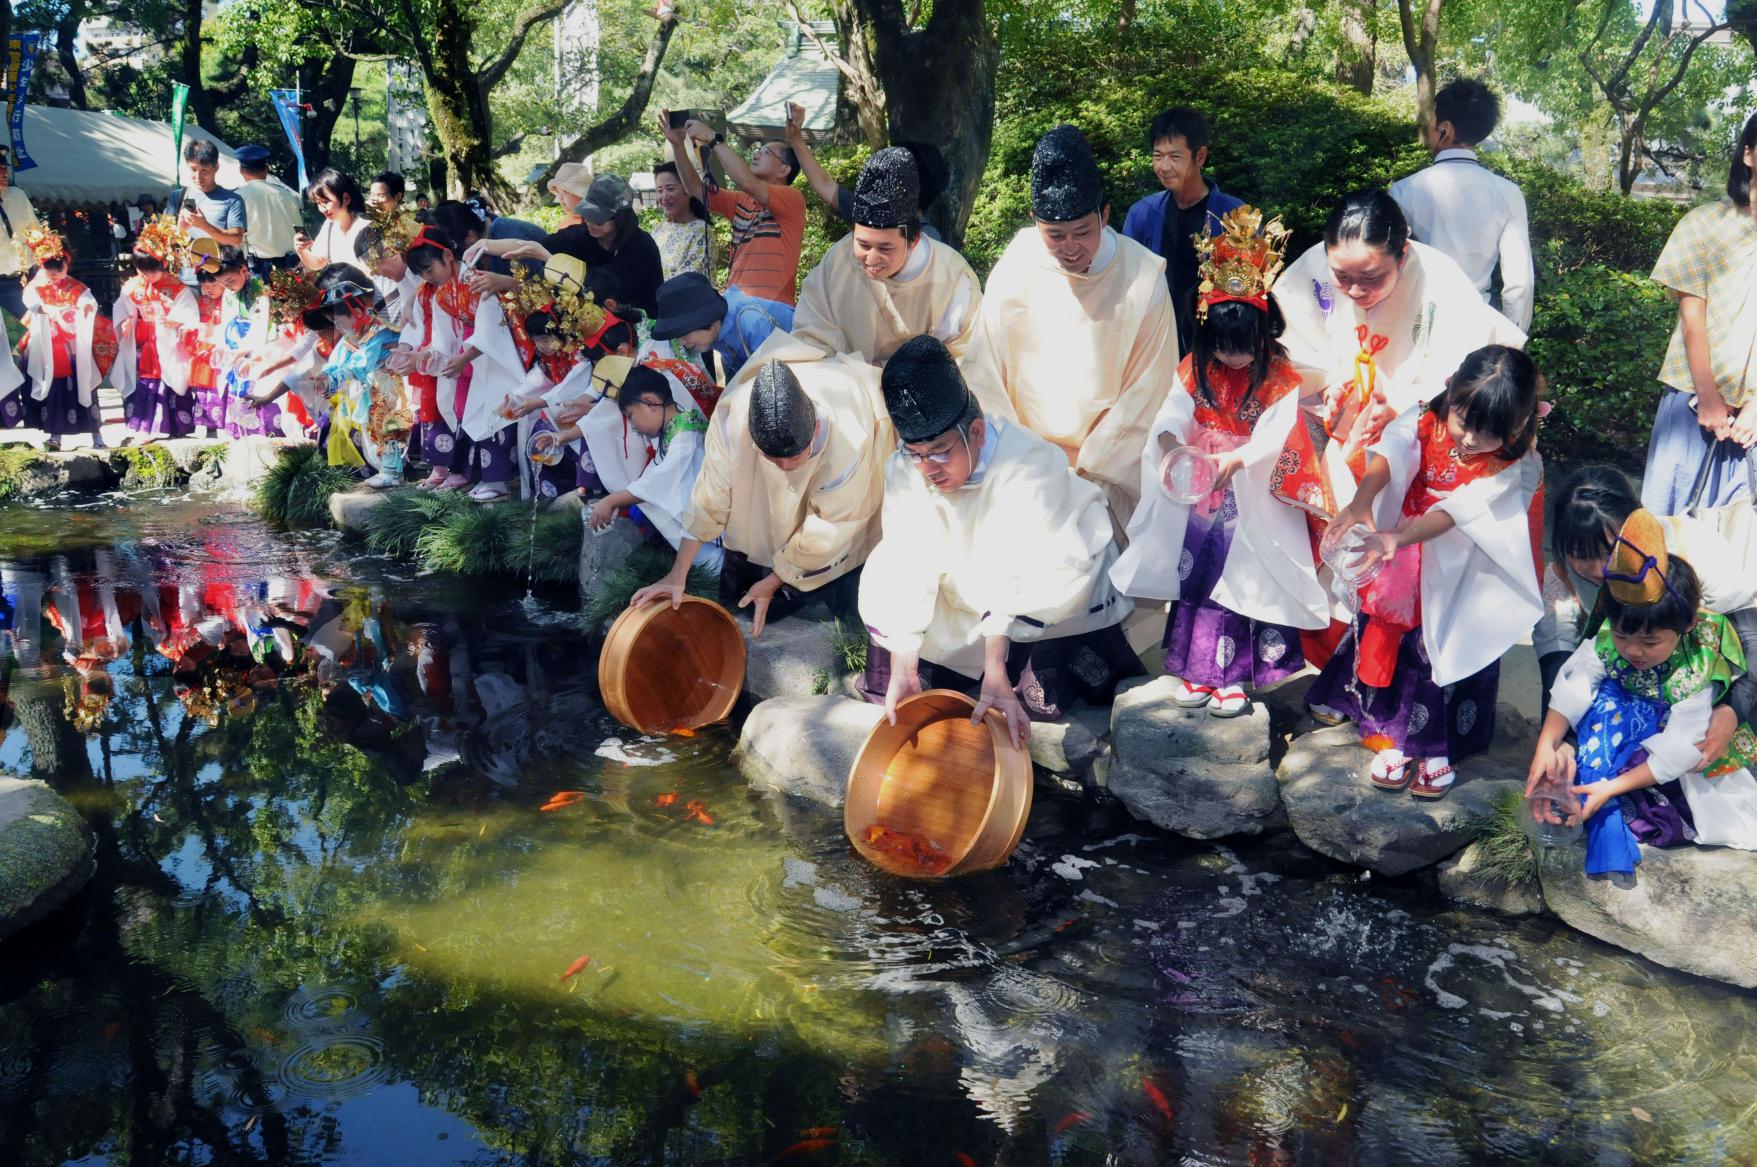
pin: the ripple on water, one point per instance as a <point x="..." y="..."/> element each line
<point x="319" y="1006"/>
<point x="332" y="1067"/>
<point x="15" y="1068"/>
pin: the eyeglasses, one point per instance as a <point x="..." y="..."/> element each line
<point x="1648" y="563"/>
<point x="939" y="458"/>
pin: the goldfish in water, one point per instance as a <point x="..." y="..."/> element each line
<point x="111" y="1030"/>
<point x="695" y="810"/>
<point x="1157" y="1097"/>
<point x="667" y="799"/>
<point x="1070" y="1121"/>
<point x="562" y="799"/>
<point x="922" y="854"/>
<point x="965" y="1160"/>
<point x="804" y="1147"/>
<point x="818" y="1132"/>
<point x="576" y="967"/>
<point x="683" y="731"/>
<point x="692" y="1084"/>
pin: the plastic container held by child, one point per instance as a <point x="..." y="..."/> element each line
<point x="1341" y="551"/>
<point x="1187" y="475"/>
<point x="544" y="449"/>
<point x="1551" y="815"/>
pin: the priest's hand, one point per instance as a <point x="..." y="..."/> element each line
<point x="666" y="589"/>
<point x="758" y="598"/>
<point x="1721" y="727"/>
<point x="997" y="693"/>
<point x="905" y="682"/>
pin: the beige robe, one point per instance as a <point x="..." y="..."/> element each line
<point x="814" y="524"/>
<point x="1082" y="360"/>
<point x="844" y="310"/>
<point x="1022" y="552"/>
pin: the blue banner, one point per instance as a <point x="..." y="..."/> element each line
<point x="21" y="55"/>
<point x="286" y="103"/>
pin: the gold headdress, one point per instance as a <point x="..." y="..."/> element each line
<point x="1241" y="262"/>
<point x="1636" y="571"/>
<point x="43" y="243"/>
<point x="392" y="231"/>
<point x="290" y="292"/>
<point x="560" y="292"/>
<point x="161" y="238"/>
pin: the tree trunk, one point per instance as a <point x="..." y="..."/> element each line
<point x="57" y="750"/>
<point x="627" y="116"/>
<point x="323" y="85"/>
<point x="1742" y="15"/>
<point x="865" y="92"/>
<point x="1357" y="57"/>
<point x="457" y="105"/>
<point x="66" y="33"/>
<point x="939" y="87"/>
<point x="1421" y="38"/>
<point x="189" y="56"/>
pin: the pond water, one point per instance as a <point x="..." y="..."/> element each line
<point x="332" y="923"/>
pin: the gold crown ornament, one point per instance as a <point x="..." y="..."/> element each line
<point x="290" y="291"/>
<point x="393" y="231"/>
<point x="1638" y="564"/>
<point x="204" y="255"/>
<point x="574" y="313"/>
<point x="43" y="243"/>
<point x="161" y="238"/>
<point x="1242" y="261"/>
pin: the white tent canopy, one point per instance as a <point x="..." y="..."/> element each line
<point x="83" y="157"/>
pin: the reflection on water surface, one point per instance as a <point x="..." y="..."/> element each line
<point x="331" y="923"/>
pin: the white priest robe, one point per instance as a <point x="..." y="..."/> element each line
<point x="1022" y="550"/>
<point x="844" y="310"/>
<point x="814" y="524"/>
<point x="1479" y="588"/>
<point x="1083" y="360"/>
<point x="1269" y="575"/>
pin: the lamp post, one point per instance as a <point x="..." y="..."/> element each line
<point x="354" y="100"/>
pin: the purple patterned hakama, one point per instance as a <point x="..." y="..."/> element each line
<point x="1412" y="714"/>
<point x="155" y="408"/>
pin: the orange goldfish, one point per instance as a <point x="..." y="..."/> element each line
<point x="562" y="799"/>
<point x="818" y="1132"/>
<point x="576" y="967"/>
<point x="665" y="800"/>
<point x="683" y="731"/>
<point x="695" y="810"/>
<point x="693" y="1085"/>
<point x="1069" y="1122"/>
<point x="804" y="1147"/>
<point x="965" y="1160"/>
<point x="1160" y="1102"/>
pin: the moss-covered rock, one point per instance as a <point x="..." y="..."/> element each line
<point x="45" y="853"/>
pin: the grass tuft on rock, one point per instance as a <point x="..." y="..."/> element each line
<point x="647" y="565"/>
<point x="295" y="491"/>
<point x="849" y="644"/>
<point x="471" y="542"/>
<point x="395" y="526"/>
<point x="149" y="467"/>
<point x="1504" y="853"/>
<point x="15" y="463"/>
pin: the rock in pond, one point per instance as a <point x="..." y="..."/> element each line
<point x="1461" y="879"/>
<point x="794" y="657"/>
<point x="1689" y="908"/>
<point x="1188" y="772"/>
<point x="602" y="552"/>
<point x="804" y="746"/>
<point x="1335" y="811"/>
<point x="45" y="852"/>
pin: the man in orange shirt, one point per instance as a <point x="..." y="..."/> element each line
<point x="767" y="214"/>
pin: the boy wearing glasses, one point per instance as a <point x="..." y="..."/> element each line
<point x="767" y="214"/>
<point x="995" y="561"/>
<point x="791" y="482"/>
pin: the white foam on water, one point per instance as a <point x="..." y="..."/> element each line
<point x="835" y="899"/>
<point x="1131" y="838"/>
<point x="1150" y="925"/>
<point x="1093" y="897"/>
<point x="1069" y="866"/>
<point x="614" y="750"/>
<point x="799" y="873"/>
<point x="1501" y="959"/>
<point x="1234" y="906"/>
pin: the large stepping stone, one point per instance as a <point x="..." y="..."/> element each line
<point x="1188" y="772"/>
<point x="794" y="657"/>
<point x="1688" y="908"/>
<point x="45" y="853"/>
<point x="804" y="746"/>
<point x="1461" y="878"/>
<point x="1336" y="811"/>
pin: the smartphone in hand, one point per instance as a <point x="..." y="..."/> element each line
<point x="679" y="118"/>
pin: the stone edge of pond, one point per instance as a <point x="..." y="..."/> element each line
<point x="1206" y="778"/>
<point x="27" y="472"/>
<point x="45" y="852"/>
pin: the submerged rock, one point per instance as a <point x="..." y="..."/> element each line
<point x="1688" y="908"/>
<point x="804" y="746"/>
<point x="1188" y="772"/>
<point x="794" y="657"/>
<point x="1336" y="811"/>
<point x="349" y="509"/>
<point x="602" y="552"/>
<point x="45" y="853"/>
<point x="1461" y="879"/>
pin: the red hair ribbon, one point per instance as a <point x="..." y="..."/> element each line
<point x="425" y="237"/>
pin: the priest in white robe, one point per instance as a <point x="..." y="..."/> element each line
<point x="1077" y="338"/>
<point x="995" y="558"/>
